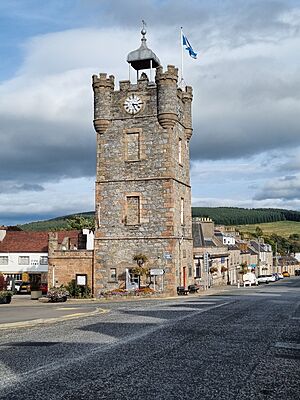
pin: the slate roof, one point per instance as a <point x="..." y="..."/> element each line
<point x="32" y="242"/>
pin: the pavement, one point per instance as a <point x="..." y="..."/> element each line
<point x="24" y="312"/>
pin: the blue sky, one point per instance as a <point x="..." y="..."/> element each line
<point x="245" y="149"/>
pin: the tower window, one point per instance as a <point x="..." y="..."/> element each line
<point x="113" y="274"/>
<point x="180" y="151"/>
<point x="182" y="211"/>
<point x="133" y="146"/>
<point x="132" y="210"/>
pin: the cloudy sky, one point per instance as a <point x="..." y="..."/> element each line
<point x="246" y="144"/>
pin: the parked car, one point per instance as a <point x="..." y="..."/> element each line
<point x="297" y="272"/>
<point x="280" y="276"/>
<point x="17" y="286"/>
<point x="271" y="278"/>
<point x="286" y="274"/>
<point x="24" y="287"/>
<point x="276" y="276"/>
<point x="262" y="279"/>
<point x="249" y="279"/>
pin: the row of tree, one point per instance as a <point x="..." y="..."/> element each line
<point x="245" y="216"/>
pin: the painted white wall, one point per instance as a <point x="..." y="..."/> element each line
<point x="229" y="240"/>
<point x="89" y="239"/>
<point x="13" y="266"/>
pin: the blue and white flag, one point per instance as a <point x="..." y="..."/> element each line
<point x="187" y="45"/>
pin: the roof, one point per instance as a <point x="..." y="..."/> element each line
<point x="32" y="242"/>
<point x="198" y="239"/>
<point x="143" y="57"/>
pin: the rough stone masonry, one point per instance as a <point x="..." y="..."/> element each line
<point x="143" y="193"/>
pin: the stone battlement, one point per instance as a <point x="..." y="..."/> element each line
<point x="103" y="81"/>
<point x="170" y="74"/>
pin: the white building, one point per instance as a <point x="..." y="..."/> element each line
<point x="23" y="253"/>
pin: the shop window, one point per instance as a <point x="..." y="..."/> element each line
<point x="43" y="260"/>
<point x="23" y="260"/>
<point x="3" y="260"/>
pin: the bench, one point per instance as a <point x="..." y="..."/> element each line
<point x="181" y="291"/>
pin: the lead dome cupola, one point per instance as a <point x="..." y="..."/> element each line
<point x="143" y="57"/>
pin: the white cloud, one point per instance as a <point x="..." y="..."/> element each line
<point x="246" y="104"/>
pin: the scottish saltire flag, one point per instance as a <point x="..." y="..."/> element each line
<point x="187" y="45"/>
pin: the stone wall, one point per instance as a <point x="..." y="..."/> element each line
<point x="64" y="265"/>
<point x="142" y="172"/>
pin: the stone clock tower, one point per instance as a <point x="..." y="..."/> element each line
<point x="143" y="193"/>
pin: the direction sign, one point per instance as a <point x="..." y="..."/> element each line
<point x="157" y="271"/>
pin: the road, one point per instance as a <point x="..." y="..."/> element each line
<point x="240" y="344"/>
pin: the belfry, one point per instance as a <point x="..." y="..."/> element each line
<point x="143" y="193"/>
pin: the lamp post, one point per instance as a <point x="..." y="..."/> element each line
<point x="228" y="277"/>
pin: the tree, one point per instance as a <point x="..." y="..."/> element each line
<point x="79" y="222"/>
<point x="258" y="232"/>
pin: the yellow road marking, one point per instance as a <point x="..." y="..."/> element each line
<point x="26" y="324"/>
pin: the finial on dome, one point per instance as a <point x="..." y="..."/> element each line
<point x="143" y="31"/>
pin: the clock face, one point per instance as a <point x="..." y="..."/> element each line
<point x="133" y="104"/>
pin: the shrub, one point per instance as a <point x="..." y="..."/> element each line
<point x="78" y="291"/>
<point x="5" y="293"/>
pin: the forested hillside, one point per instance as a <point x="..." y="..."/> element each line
<point x="242" y="216"/>
<point x="220" y="215"/>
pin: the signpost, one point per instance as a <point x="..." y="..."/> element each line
<point x="156" y="271"/>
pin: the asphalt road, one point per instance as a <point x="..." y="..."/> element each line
<point x="237" y="345"/>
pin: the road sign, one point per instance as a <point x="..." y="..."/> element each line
<point x="205" y="261"/>
<point x="156" y="271"/>
<point x="167" y="256"/>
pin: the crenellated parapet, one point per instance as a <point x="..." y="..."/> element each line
<point x="103" y="87"/>
<point x="167" y="96"/>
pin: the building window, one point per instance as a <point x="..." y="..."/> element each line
<point x="113" y="274"/>
<point x="180" y="151"/>
<point x="43" y="260"/>
<point x="133" y="146"/>
<point x="132" y="210"/>
<point x="182" y="211"/>
<point x="3" y="260"/>
<point x="190" y="271"/>
<point x="23" y="260"/>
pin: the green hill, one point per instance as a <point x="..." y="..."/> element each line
<point x="220" y="215"/>
<point x="58" y="223"/>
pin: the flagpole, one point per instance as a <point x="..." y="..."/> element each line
<point x="181" y="78"/>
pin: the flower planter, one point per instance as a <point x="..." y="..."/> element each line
<point x="5" y="300"/>
<point x="36" y="294"/>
